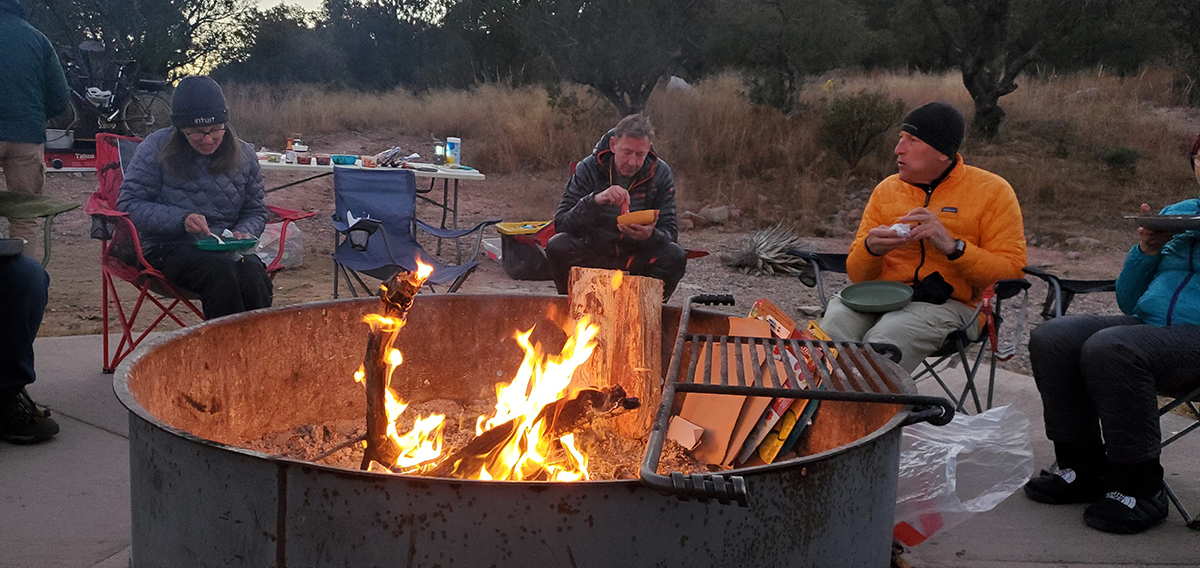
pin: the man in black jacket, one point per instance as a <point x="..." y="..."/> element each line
<point x="623" y="174"/>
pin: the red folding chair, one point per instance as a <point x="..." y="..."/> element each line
<point x="121" y="257"/>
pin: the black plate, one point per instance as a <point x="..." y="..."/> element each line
<point x="1167" y="222"/>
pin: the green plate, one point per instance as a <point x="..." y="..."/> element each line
<point x="876" y="296"/>
<point x="210" y="243"/>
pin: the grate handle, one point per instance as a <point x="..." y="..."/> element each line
<point x="713" y="299"/>
<point x="701" y="487"/>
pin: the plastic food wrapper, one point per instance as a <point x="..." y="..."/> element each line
<point x="948" y="473"/>
<point x="901" y="229"/>
<point x="293" y="247"/>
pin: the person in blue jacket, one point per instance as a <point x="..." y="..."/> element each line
<point x="1098" y="377"/>
<point x="192" y="180"/>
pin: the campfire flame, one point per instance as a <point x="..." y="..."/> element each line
<point x="539" y="381"/>
<point x="528" y="452"/>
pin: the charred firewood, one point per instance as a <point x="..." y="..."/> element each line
<point x="563" y="416"/>
<point x="396" y="297"/>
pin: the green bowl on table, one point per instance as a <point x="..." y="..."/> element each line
<point x="226" y="245"/>
<point x="344" y="159"/>
<point x="876" y="296"/>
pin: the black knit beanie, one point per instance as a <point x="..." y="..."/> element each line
<point x="938" y="124"/>
<point x="198" y="101"/>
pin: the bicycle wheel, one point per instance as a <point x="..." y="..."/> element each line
<point x="144" y="114"/>
<point x="66" y="120"/>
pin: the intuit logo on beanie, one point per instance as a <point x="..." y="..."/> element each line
<point x="198" y="101"/>
<point x="938" y="124"/>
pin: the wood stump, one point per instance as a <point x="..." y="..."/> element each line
<point x="628" y="311"/>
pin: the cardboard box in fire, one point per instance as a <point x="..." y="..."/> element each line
<point x="726" y="429"/>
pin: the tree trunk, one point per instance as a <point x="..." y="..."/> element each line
<point x="988" y="115"/>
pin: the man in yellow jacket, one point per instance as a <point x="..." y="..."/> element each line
<point x="945" y="228"/>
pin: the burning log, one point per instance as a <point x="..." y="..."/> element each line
<point x="396" y="297"/>
<point x="564" y="416"/>
<point x="628" y="352"/>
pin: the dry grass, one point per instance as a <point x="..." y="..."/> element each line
<point x="725" y="150"/>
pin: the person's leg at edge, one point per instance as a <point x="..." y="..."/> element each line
<point x="1124" y="369"/>
<point x="24" y="172"/>
<point x="845" y="324"/>
<point x="210" y="274"/>
<point x="1072" y="423"/>
<point x="255" y="283"/>
<point x="667" y="263"/>
<point x="24" y="293"/>
<point x="918" y="329"/>
<point x="564" y="251"/>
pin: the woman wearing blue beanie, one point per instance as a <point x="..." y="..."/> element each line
<point x="195" y="179"/>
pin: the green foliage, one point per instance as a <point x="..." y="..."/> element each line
<point x="852" y="125"/>
<point x="164" y="37"/>
<point x="782" y="41"/>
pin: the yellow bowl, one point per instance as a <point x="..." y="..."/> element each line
<point x="643" y="217"/>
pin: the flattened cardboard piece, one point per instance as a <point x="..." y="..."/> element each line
<point x="721" y="415"/>
<point x="684" y="433"/>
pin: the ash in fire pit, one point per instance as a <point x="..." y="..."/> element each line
<point x="339" y="444"/>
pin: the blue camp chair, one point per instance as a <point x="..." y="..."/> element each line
<point x="375" y="217"/>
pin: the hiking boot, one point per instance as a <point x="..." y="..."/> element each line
<point x="1125" y="514"/>
<point x="22" y="422"/>
<point x="1063" y="487"/>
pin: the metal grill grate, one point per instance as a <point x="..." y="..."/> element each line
<point x="842" y="371"/>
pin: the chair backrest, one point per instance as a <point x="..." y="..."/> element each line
<point x="389" y="196"/>
<point x="113" y="153"/>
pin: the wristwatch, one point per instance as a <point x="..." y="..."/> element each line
<point x="959" y="248"/>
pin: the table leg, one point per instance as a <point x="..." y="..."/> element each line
<point x="445" y="199"/>
<point x="457" y="242"/>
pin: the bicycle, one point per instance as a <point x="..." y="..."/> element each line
<point x="106" y="97"/>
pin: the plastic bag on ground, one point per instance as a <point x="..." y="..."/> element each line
<point x="948" y="473"/>
<point x="293" y="246"/>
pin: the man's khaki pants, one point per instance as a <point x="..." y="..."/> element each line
<point x="24" y="172"/>
<point x="918" y="329"/>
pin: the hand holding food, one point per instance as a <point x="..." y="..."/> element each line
<point x="614" y="195"/>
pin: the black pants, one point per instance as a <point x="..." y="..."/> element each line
<point x="1099" y="375"/>
<point x="24" y="291"/>
<point x="225" y="286"/>
<point x="666" y="262"/>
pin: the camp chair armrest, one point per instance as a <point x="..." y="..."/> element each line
<point x="291" y="215"/>
<point x="1008" y="288"/>
<point x="454" y="233"/>
<point x="1060" y="291"/>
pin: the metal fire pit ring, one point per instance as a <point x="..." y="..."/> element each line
<point x="198" y="500"/>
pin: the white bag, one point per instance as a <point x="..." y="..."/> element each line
<point x="948" y="473"/>
<point x="293" y="247"/>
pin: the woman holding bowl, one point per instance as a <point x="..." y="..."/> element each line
<point x="192" y="180"/>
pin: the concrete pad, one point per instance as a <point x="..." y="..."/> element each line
<point x="69" y="380"/>
<point x="65" y="502"/>
<point x="1021" y="532"/>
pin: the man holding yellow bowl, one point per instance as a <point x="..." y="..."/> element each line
<point x="618" y="211"/>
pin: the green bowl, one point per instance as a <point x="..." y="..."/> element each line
<point x="876" y="296"/>
<point x="210" y="243"/>
<point x="343" y="159"/>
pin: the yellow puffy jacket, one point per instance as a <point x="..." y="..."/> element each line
<point x="974" y="205"/>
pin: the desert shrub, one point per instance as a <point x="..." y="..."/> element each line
<point x="851" y="125"/>
<point x="1121" y="160"/>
